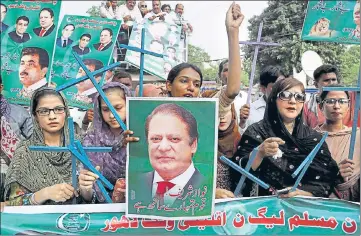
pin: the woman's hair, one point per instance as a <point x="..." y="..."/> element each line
<point x="113" y="89"/>
<point x="174" y="72"/>
<point x="323" y="95"/>
<point x="44" y="93"/>
<point x="284" y="84"/>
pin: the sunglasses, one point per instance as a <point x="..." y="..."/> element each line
<point x="287" y="96"/>
<point x="143" y="5"/>
<point x="332" y="101"/>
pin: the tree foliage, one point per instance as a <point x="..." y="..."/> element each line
<point x="282" y="23"/>
<point x="350" y="65"/>
<point x="198" y="56"/>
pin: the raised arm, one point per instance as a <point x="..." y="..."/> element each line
<point x="234" y="20"/>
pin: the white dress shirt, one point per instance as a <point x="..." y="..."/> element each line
<point x="180" y="181"/>
<point x="28" y="92"/>
<point x="256" y="113"/>
<point x="124" y="11"/>
<point x="108" y="12"/>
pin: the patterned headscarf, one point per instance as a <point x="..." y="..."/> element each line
<point x="112" y="164"/>
<point x="35" y="170"/>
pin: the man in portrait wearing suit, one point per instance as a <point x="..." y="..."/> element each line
<point x="19" y="35"/>
<point x="46" y="19"/>
<point x="171" y="149"/>
<point x="33" y="67"/>
<point x="105" y="40"/>
<point x="4" y="10"/>
<point x="65" y="39"/>
<point x="81" y="48"/>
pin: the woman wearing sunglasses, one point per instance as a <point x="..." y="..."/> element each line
<point x="284" y="142"/>
<point x="335" y="105"/>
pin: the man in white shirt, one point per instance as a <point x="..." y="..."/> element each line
<point x="109" y="10"/>
<point x="178" y="18"/>
<point x="254" y="113"/>
<point x="130" y="15"/>
<point x="33" y="67"/>
<point x="171" y="149"/>
<point x="156" y="14"/>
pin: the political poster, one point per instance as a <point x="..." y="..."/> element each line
<point x="171" y="171"/>
<point x="93" y="39"/>
<point x="28" y="31"/>
<point x="161" y="37"/>
<point x="332" y="21"/>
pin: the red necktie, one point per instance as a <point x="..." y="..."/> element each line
<point x="100" y="47"/>
<point x="162" y="188"/>
<point x="42" y="32"/>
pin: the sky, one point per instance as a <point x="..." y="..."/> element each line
<point x="206" y="17"/>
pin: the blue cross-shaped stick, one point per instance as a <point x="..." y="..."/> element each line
<point x="142" y="51"/>
<point x="307" y="162"/>
<point x="78" y="152"/>
<point x="244" y="172"/>
<point x="248" y="167"/>
<point x="90" y="75"/>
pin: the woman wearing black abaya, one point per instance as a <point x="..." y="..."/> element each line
<point x="284" y="142"/>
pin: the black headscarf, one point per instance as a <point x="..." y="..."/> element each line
<point x="321" y="175"/>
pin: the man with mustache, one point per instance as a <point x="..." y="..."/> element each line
<point x="46" y="19"/>
<point x="33" y="67"/>
<point x="171" y="150"/>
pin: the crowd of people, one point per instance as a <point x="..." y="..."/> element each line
<point x="132" y="13"/>
<point x="282" y="124"/>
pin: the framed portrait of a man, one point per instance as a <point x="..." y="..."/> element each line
<point x="171" y="171"/>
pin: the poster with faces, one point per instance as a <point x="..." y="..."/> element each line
<point x="27" y="32"/>
<point x="93" y="39"/>
<point x="332" y="21"/>
<point x="171" y="170"/>
<point x="162" y="37"/>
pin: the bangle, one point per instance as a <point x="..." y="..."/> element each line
<point x="32" y="199"/>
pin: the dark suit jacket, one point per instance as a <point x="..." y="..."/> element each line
<point x="37" y="30"/>
<point x="79" y="51"/>
<point x="59" y="42"/>
<point x="3" y="27"/>
<point x="96" y="46"/>
<point x="16" y="38"/>
<point x="143" y="188"/>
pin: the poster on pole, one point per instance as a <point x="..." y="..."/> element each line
<point x="332" y="21"/>
<point x="161" y="37"/>
<point x="171" y="171"/>
<point x="93" y="39"/>
<point x="28" y="31"/>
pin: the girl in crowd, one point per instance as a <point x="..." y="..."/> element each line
<point x="106" y="131"/>
<point x="284" y="142"/>
<point x="35" y="178"/>
<point x="185" y="80"/>
<point x="335" y="106"/>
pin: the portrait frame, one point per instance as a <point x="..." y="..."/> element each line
<point x="138" y="163"/>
